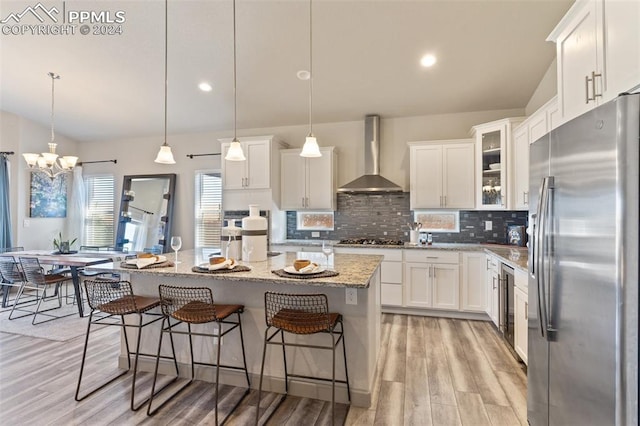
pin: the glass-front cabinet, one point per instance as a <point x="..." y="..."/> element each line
<point x="492" y="165"/>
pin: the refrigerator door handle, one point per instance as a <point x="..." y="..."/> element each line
<point x="543" y="210"/>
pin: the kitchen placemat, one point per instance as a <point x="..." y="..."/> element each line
<point x="239" y="268"/>
<point x="164" y="264"/>
<point x="324" y="274"/>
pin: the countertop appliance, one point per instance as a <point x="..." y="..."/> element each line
<point x="583" y="269"/>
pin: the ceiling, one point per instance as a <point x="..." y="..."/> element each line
<point x="491" y="55"/>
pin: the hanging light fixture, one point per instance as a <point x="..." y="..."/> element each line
<point x="310" y="147"/>
<point x="235" y="149"/>
<point x="165" y="156"/>
<point x="48" y="162"/>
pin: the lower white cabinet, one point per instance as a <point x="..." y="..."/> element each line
<point x="493" y="289"/>
<point x="521" y="314"/>
<point x="432" y="279"/>
<point x="473" y="294"/>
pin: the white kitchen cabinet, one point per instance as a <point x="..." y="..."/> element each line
<point x="493" y="141"/>
<point x="432" y="279"/>
<point x="391" y="277"/>
<point x="521" y="314"/>
<point x="598" y="53"/>
<point x="442" y="174"/>
<point x="473" y="294"/>
<point x="493" y="289"/>
<point x="308" y="183"/>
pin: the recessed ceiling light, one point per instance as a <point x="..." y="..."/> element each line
<point x="205" y="87"/>
<point x="428" y="60"/>
<point x="303" y="75"/>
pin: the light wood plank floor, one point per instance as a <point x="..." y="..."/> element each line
<point x="431" y="371"/>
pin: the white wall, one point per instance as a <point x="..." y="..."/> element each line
<point x="547" y="89"/>
<point x="21" y="135"/>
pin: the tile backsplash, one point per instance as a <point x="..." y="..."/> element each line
<point x="386" y="216"/>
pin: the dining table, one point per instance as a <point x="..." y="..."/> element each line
<point x="74" y="261"/>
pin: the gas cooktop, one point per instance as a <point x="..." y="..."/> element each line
<point x="372" y="241"/>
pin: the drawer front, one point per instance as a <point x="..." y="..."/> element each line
<point x="391" y="294"/>
<point x="391" y="272"/>
<point x="431" y="256"/>
<point x="394" y="255"/>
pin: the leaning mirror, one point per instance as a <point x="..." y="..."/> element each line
<point x="146" y="210"/>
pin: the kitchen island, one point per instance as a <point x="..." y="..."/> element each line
<point x="358" y="274"/>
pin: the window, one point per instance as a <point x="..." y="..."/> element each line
<point x="208" y="200"/>
<point x="99" y="218"/>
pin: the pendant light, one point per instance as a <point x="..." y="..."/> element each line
<point x="48" y="162"/>
<point x="165" y="156"/>
<point x="310" y="147"/>
<point x="235" y="149"/>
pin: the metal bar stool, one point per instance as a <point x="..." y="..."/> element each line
<point x="302" y="314"/>
<point x="194" y="305"/>
<point x="36" y="279"/>
<point x="110" y="301"/>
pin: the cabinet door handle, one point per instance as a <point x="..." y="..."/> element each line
<point x="434" y="272"/>
<point x="494" y="282"/>
<point x="526" y="310"/>
<point x="444" y="204"/>
<point x="487" y="263"/>
<point x="593" y="84"/>
<point x="525" y="197"/>
<point x="586" y="89"/>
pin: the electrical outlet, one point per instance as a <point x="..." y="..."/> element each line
<point x="488" y="225"/>
<point x="315" y="235"/>
<point x="26" y="223"/>
<point x="351" y="296"/>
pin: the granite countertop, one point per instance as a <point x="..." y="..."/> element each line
<point x="514" y="256"/>
<point x="355" y="270"/>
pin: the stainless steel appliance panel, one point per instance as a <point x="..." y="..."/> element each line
<point x="583" y="271"/>
<point x="538" y="347"/>
<point x="583" y="286"/>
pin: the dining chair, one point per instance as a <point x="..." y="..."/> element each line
<point x="302" y="314"/>
<point x="36" y="280"/>
<point x="10" y="276"/>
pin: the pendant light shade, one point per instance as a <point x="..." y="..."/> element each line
<point x="235" y="148"/>
<point x="310" y="148"/>
<point x="165" y="156"/>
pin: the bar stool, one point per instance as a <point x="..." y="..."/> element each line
<point x="110" y="301"/>
<point x="194" y="305"/>
<point x="302" y="314"/>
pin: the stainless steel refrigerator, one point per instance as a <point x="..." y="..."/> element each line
<point x="583" y="269"/>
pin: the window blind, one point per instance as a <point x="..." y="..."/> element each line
<point x="208" y="220"/>
<point x="99" y="218"/>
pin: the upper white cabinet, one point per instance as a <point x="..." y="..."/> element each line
<point x="255" y="173"/>
<point x="598" y="53"/>
<point x="493" y="141"/>
<point x="442" y="174"/>
<point x="256" y="180"/>
<point x="533" y="128"/>
<point x="308" y="183"/>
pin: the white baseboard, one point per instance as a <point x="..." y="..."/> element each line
<point x="481" y="316"/>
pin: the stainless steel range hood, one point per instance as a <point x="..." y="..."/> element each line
<point x="371" y="181"/>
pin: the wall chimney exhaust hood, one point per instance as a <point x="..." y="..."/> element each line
<point x="371" y="181"/>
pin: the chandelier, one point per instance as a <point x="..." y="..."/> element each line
<point x="48" y="162"/>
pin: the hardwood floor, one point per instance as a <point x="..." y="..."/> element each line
<point x="431" y="371"/>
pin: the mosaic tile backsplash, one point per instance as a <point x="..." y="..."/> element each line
<point x="386" y="216"/>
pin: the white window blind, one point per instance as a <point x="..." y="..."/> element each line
<point x="208" y="221"/>
<point x="99" y="219"/>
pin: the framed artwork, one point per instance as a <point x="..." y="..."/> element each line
<point x="438" y="220"/>
<point x="48" y="196"/>
<point x="315" y="221"/>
